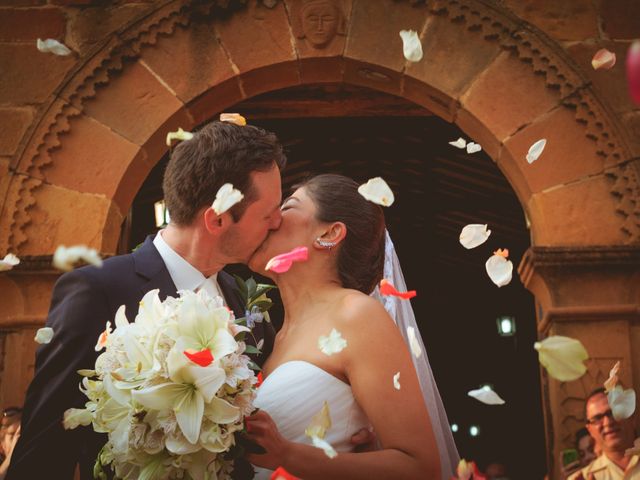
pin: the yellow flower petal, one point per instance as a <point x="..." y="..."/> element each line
<point x="320" y="423"/>
<point x="233" y="118"/>
<point x="180" y="135"/>
<point x="563" y="357"/>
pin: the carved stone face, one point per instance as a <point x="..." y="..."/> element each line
<point x="320" y="20"/>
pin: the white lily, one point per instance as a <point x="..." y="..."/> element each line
<point x="473" y="235"/>
<point x="190" y="388"/>
<point x="411" y="46"/>
<point x="563" y="357"/>
<point x="8" y="262"/>
<point x="226" y="198"/>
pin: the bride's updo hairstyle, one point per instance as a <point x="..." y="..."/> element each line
<point x="361" y="253"/>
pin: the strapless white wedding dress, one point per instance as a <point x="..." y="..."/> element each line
<point x="295" y="391"/>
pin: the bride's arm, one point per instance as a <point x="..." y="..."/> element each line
<point x="375" y="353"/>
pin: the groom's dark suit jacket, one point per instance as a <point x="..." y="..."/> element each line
<point x="83" y="301"/>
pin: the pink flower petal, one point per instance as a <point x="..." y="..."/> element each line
<point x="282" y="263"/>
<point x="633" y="71"/>
<point x="603" y="60"/>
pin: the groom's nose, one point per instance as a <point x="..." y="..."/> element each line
<point x="276" y="220"/>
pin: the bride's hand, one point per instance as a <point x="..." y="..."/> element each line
<point x="262" y="430"/>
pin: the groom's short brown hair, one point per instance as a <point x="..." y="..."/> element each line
<point x="219" y="153"/>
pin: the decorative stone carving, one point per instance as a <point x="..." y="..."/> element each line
<point x="318" y="21"/>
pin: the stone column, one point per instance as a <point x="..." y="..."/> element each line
<point x="591" y="294"/>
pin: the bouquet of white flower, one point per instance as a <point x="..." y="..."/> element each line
<point x="170" y="390"/>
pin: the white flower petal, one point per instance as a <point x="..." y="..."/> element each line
<point x="221" y="412"/>
<point x="536" y="150"/>
<point x="413" y="342"/>
<point x="473" y="147"/>
<point x="635" y="450"/>
<point x="52" y="46"/>
<point x="411" y="46"/>
<point x="459" y="143"/>
<point x="320" y="423"/>
<point x="499" y="269"/>
<point x="74" y="417"/>
<point x="44" y="335"/>
<point x="8" y="262"/>
<point x="563" y="357"/>
<point x="179" y="445"/>
<point x="207" y="379"/>
<point x="64" y="258"/>
<point x="474" y="235"/>
<point x="377" y="191"/>
<point x="189" y="412"/>
<point x="159" y="397"/>
<point x="333" y="343"/>
<point x="396" y="381"/>
<point x="486" y="395"/>
<point x="622" y="402"/>
<point x="226" y="198"/>
<point x="180" y="135"/>
<point x="325" y="446"/>
<point x="612" y="381"/>
<point x="223" y="344"/>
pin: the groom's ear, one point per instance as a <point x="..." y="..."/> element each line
<point x="214" y="223"/>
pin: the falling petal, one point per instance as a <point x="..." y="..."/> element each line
<point x="281" y="474"/>
<point x="233" y="118"/>
<point x="474" y="235"/>
<point x="563" y="357"/>
<point x="536" y="150"/>
<point x="473" y="147"/>
<point x="283" y="262"/>
<point x="499" y="269"/>
<point x="204" y="357"/>
<point x="465" y="469"/>
<point x="52" y="46"/>
<point x="102" y="339"/>
<point x="377" y="191"/>
<point x="387" y="288"/>
<point x="633" y="71"/>
<point x="8" y="262"/>
<point x="333" y="343"/>
<point x="325" y="446"/>
<point x="603" y="60"/>
<point x="612" y="381"/>
<point x="180" y="135"/>
<point x="460" y="143"/>
<point x="226" y="198"/>
<point x="635" y="450"/>
<point x="44" y="335"/>
<point x="622" y="402"/>
<point x="320" y="423"/>
<point x="413" y="342"/>
<point x="260" y="379"/>
<point x="64" y="258"/>
<point x="74" y="417"/>
<point x="486" y="395"/>
<point x="411" y="46"/>
<point x="396" y="381"/>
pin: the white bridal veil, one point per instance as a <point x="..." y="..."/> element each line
<point x="402" y="314"/>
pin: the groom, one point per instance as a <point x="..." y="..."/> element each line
<point x="188" y="255"/>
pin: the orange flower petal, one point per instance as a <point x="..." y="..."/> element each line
<point x="281" y="474"/>
<point x="203" y="358"/>
<point x="386" y="288"/>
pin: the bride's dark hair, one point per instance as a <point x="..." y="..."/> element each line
<point x="361" y="253"/>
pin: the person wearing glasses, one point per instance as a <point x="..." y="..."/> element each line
<point x="614" y="437"/>
<point x="9" y="434"/>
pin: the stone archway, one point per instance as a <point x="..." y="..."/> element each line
<point x="499" y="79"/>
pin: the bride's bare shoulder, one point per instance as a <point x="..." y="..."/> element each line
<point x="356" y="308"/>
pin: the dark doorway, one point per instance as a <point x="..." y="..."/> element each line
<point x="439" y="189"/>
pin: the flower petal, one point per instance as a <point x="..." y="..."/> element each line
<point x="8" y="262"/>
<point x="464" y="469"/>
<point x="411" y="46"/>
<point x="44" y="335"/>
<point x="486" y="395"/>
<point x="563" y="357"/>
<point x="64" y="258"/>
<point x="325" y="446"/>
<point x="603" y="60"/>
<point x="612" y="381"/>
<point x="396" y="381"/>
<point x="333" y="343"/>
<point x="160" y="397"/>
<point x="207" y="379"/>
<point x="52" y="46"/>
<point x="387" y="288"/>
<point x="74" y="417"/>
<point x="633" y="71"/>
<point x="377" y="191"/>
<point x="320" y="423"/>
<point x="413" y="342"/>
<point x="102" y="339"/>
<point x="189" y="412"/>
<point x="536" y="150"/>
<point x="179" y="135"/>
<point x="281" y="474"/>
<point x="233" y="118"/>
<point x="622" y="402"/>
<point x="282" y="263"/>
<point x="635" y="450"/>
<point x="220" y="411"/>
<point x="473" y="235"/>
<point x="226" y="198"/>
<point x="459" y="143"/>
<point x="202" y="358"/>
<point x="473" y="147"/>
<point x="499" y="269"/>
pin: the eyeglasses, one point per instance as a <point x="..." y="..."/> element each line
<point x="11" y="411"/>
<point x="598" y="419"/>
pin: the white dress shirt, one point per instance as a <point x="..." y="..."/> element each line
<point x="184" y="275"/>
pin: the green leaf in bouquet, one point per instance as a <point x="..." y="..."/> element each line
<point x="87" y="373"/>
<point x="254" y="366"/>
<point x="242" y="288"/>
<point x="100" y="467"/>
<point x="251" y="349"/>
<point x="251" y="287"/>
<point x="263" y="305"/>
<point x="262" y="289"/>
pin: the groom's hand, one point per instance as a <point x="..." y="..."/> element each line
<point x="364" y="440"/>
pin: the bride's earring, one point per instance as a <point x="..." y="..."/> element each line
<point x="324" y="244"/>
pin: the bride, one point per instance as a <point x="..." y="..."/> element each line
<point x="345" y="237"/>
